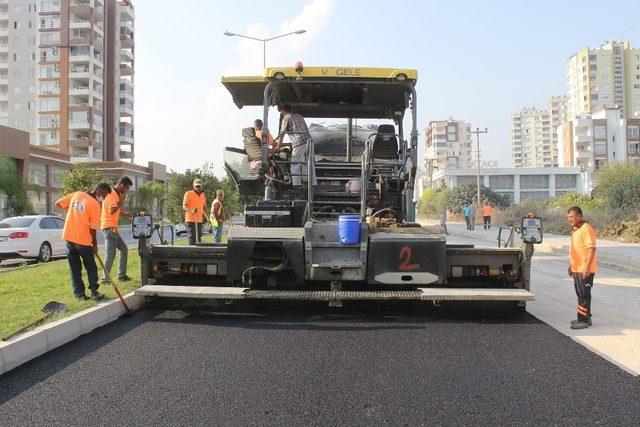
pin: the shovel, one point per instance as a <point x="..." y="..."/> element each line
<point x="113" y="285"/>
<point x="51" y="308"/>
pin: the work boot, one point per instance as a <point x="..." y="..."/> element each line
<point x="95" y="295"/>
<point x="574" y="321"/>
<point x="580" y="325"/>
<point x="82" y="297"/>
<point x="124" y="278"/>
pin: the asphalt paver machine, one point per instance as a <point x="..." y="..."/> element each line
<point x="364" y="165"/>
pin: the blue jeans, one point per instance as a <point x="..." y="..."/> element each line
<point x="217" y="231"/>
<point x="78" y="255"/>
<point x="113" y="241"/>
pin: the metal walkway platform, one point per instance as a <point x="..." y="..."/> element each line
<point x="425" y="294"/>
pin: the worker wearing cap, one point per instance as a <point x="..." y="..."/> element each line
<point x="194" y="205"/>
<point x="217" y="215"/>
<point x="112" y="209"/>
<point x="83" y="219"/>
<point x="582" y="264"/>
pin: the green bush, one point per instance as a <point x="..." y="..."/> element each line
<point x="457" y="198"/>
<point x="575" y="199"/>
<point x="432" y="203"/>
<point x="618" y="186"/>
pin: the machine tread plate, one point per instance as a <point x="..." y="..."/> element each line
<point x="276" y="233"/>
<point x="431" y="294"/>
<point x="476" y="294"/>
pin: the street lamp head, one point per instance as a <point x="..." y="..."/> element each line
<point x="300" y="31"/>
<point x="227" y="33"/>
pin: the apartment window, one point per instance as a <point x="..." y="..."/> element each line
<point x="30" y="24"/>
<point x="32" y="122"/>
<point x="601" y="149"/>
<point x="32" y="56"/>
<point x="16" y="90"/>
<point x="600" y="131"/>
<point x="17" y="25"/>
<point x="501" y="182"/>
<point x="17" y="8"/>
<point x="16" y="57"/>
<point x="16" y="106"/>
<point x="31" y="72"/>
<point x="17" y="73"/>
<point x="633" y="131"/>
<point x="31" y="105"/>
<point x="534" y="181"/>
<point x="565" y="181"/>
<point x="16" y="41"/>
<point x="32" y="8"/>
<point x="37" y="174"/>
<point x="31" y="40"/>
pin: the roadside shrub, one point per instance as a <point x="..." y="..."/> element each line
<point x="618" y="185"/>
<point x="573" y="198"/>
<point x="432" y="203"/>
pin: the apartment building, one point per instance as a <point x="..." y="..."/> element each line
<point x="606" y="77"/>
<point x="531" y="139"/>
<point x="66" y="67"/>
<point x="447" y="146"/>
<point x="558" y="114"/>
<point x="589" y="143"/>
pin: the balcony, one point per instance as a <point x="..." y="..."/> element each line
<point x="126" y="55"/>
<point x="4" y="48"/>
<point x="80" y="54"/>
<point x="82" y="73"/>
<point x="4" y="31"/>
<point x="126" y="12"/>
<point x="4" y="96"/>
<point x="126" y="70"/>
<point x="126" y="154"/>
<point x="80" y="24"/>
<point x="79" y="90"/>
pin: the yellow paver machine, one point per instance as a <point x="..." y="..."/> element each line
<point x="347" y="230"/>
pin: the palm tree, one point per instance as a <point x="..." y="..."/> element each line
<point x="15" y="188"/>
<point x="149" y="196"/>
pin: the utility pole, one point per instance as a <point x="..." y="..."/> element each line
<point x="478" y="132"/>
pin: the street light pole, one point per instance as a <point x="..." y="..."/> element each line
<point x="478" y="132"/>
<point x="264" y="41"/>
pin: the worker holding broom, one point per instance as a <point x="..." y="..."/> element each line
<point x="83" y="219"/>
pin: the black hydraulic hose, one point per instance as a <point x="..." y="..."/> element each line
<point x="275" y="269"/>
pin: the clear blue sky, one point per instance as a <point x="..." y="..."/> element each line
<point x="477" y="61"/>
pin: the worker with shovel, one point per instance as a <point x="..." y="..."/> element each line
<point x="83" y="219"/>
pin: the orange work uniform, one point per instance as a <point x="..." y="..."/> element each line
<point x="83" y="215"/>
<point x="486" y="210"/>
<point x="582" y="239"/>
<point x="269" y="137"/>
<point x="193" y="200"/>
<point x="110" y="220"/>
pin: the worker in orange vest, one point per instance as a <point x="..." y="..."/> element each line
<point x="194" y="205"/>
<point x="486" y="215"/>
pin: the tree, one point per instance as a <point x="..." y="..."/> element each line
<point x="179" y="182"/>
<point x="82" y="178"/>
<point x="457" y="198"/>
<point x="149" y="196"/>
<point x="618" y="186"/>
<point x="15" y="188"/>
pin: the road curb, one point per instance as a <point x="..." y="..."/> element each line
<point x="45" y="338"/>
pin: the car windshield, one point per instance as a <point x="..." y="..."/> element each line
<point x="16" y="222"/>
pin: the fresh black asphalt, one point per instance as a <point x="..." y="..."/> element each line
<point x="310" y="365"/>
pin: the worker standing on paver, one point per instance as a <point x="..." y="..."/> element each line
<point x="112" y="208"/>
<point x="472" y="216"/>
<point x="217" y="215"/>
<point x="194" y="205"/>
<point x="582" y="264"/>
<point x="466" y="211"/>
<point x="83" y="219"/>
<point x="486" y="215"/>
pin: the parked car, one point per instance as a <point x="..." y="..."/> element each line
<point x="181" y="229"/>
<point x="32" y="236"/>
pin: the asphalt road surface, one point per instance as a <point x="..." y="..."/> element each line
<point x="311" y="365"/>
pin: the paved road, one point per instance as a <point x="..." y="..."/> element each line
<point x="355" y="366"/>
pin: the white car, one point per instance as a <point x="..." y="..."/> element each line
<point x="32" y="236"/>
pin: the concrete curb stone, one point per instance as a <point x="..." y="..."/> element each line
<point x="44" y="338"/>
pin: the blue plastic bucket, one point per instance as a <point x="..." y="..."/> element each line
<point x="349" y="229"/>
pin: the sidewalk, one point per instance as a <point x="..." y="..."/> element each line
<point x="615" y="334"/>
<point x="625" y="255"/>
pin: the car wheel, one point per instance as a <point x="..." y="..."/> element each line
<point x="44" y="255"/>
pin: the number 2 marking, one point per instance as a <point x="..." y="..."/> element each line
<point x="405" y="258"/>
